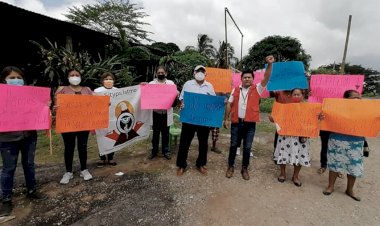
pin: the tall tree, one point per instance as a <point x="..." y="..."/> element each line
<point x="119" y="18"/>
<point x="282" y="48"/>
<point x="220" y="59"/>
<point x="205" y="46"/>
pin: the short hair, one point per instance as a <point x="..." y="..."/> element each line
<point x="247" y="72"/>
<point x="8" y="70"/>
<point x="105" y="75"/>
<point x="348" y="93"/>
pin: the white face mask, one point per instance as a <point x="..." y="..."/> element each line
<point x="74" y="80"/>
<point x="199" y="76"/>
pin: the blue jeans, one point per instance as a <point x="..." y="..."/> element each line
<point x="9" y="154"/>
<point x="241" y="131"/>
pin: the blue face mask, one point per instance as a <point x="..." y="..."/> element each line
<point x="15" y="82"/>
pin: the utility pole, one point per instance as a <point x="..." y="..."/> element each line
<point x="345" y="46"/>
<point x="225" y="32"/>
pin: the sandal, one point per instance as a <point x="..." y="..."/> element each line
<point x="281" y="179"/>
<point x="321" y="170"/>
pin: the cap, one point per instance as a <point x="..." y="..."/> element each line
<point x="199" y="67"/>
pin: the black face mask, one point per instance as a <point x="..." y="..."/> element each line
<point x="161" y="77"/>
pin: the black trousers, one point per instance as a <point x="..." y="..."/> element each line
<point x="69" y="141"/>
<point x="324" y="145"/>
<point x="160" y="126"/>
<point x="187" y="135"/>
<point x="107" y="156"/>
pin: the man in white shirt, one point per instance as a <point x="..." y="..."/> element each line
<point x="197" y="85"/>
<point x="243" y="105"/>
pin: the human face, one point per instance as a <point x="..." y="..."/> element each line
<point x="161" y="74"/>
<point x="108" y="82"/>
<point x="297" y="96"/>
<point x="247" y="80"/>
<point x="14" y="78"/>
<point x="200" y="75"/>
<point x="74" y="78"/>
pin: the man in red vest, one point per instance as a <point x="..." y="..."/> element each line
<point x="243" y="105"/>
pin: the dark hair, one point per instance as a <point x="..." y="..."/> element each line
<point x="105" y="75"/>
<point x="348" y="93"/>
<point x="161" y="67"/>
<point x="73" y="69"/>
<point x="247" y="72"/>
<point x="7" y="70"/>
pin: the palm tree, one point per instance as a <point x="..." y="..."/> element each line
<point x="220" y="59"/>
<point x="205" y="46"/>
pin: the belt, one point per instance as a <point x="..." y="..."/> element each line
<point x="241" y="120"/>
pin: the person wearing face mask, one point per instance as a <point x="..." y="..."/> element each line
<point x="196" y="85"/>
<point x="107" y="80"/>
<point x="292" y="150"/>
<point x="70" y="138"/>
<point x="13" y="143"/>
<point x="162" y="119"/>
<point x="243" y="106"/>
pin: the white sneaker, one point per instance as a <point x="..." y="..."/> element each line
<point x="85" y="174"/>
<point x="251" y="154"/>
<point x="66" y="178"/>
<point x="238" y="151"/>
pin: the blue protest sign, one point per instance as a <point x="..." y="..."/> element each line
<point x="202" y="110"/>
<point x="287" y="76"/>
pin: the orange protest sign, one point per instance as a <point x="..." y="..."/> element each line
<point x="298" y="119"/>
<point x="220" y="78"/>
<point x="351" y="116"/>
<point x="81" y="112"/>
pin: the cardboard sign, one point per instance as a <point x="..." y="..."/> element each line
<point x="351" y="116"/>
<point x="158" y="96"/>
<point x="24" y="108"/>
<point x="333" y="86"/>
<point x="297" y="119"/>
<point x="221" y="79"/>
<point x="203" y="110"/>
<point x="287" y="76"/>
<point x="81" y="112"/>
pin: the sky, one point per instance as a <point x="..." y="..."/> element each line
<point x="320" y="25"/>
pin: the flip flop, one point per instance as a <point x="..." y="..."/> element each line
<point x="354" y="197"/>
<point x="327" y="193"/>
<point x="281" y="180"/>
<point x="298" y="184"/>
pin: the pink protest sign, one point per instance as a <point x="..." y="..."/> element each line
<point x="333" y="86"/>
<point x="157" y="96"/>
<point x="236" y="80"/>
<point x="259" y="75"/>
<point x="24" y="108"/>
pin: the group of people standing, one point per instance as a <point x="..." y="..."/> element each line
<point x="241" y="114"/>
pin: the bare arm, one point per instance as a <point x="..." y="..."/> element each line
<point x="227" y="115"/>
<point x="268" y="71"/>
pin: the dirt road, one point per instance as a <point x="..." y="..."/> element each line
<point x="149" y="193"/>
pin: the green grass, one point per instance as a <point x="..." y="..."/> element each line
<point x="266" y="105"/>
